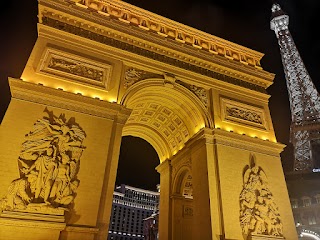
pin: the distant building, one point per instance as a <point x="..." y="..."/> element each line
<point x="150" y="227"/>
<point x="129" y="208"/>
<point x="304" y="192"/>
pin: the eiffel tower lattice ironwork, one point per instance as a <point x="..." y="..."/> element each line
<point x="303" y="96"/>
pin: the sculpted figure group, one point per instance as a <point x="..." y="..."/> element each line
<point x="48" y="164"/>
<point x="258" y="213"/>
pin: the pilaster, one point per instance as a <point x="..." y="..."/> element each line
<point x="165" y="200"/>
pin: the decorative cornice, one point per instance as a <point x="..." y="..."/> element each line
<point x="247" y="143"/>
<point x="58" y="98"/>
<point x="147" y="53"/>
<point x="164" y="27"/>
<point x="123" y="36"/>
<point x="221" y="137"/>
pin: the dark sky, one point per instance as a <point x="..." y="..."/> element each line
<point x="244" y="22"/>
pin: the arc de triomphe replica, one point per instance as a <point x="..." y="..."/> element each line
<point x="103" y="69"/>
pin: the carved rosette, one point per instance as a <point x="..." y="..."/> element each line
<point x="259" y="214"/>
<point x="48" y="163"/>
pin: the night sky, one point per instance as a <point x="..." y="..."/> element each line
<point x="244" y="22"/>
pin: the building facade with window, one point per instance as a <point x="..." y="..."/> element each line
<point x="130" y="207"/>
<point x="304" y="194"/>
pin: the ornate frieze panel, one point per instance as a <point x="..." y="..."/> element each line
<point x="76" y="68"/>
<point x="259" y="214"/>
<point x="48" y="164"/>
<point x="243" y="113"/>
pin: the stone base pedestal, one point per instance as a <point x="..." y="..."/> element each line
<point x="18" y="225"/>
<point x="265" y="237"/>
<point x="79" y="233"/>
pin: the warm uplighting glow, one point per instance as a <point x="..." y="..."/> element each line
<point x="229" y="129"/>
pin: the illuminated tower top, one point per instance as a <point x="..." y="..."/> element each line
<point x="303" y="96"/>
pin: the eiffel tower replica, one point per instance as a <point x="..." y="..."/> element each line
<point x="303" y="96"/>
<point x="304" y="181"/>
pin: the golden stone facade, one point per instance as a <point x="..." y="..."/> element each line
<point x="101" y="70"/>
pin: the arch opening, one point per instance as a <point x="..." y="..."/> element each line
<point x="137" y="168"/>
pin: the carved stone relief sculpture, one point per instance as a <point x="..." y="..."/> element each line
<point x="76" y="69"/>
<point x="48" y="163"/>
<point x="259" y="214"/>
<point x="201" y="93"/>
<point x="244" y="114"/>
<point x="132" y="75"/>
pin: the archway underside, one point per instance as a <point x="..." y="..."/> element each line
<point x="164" y="117"/>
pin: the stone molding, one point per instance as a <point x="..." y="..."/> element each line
<point x="81" y="229"/>
<point x="58" y="98"/>
<point x="252" y="78"/>
<point x="23" y="219"/>
<point x="219" y="136"/>
<point x="247" y="143"/>
<point x="164" y="166"/>
<point x="264" y="237"/>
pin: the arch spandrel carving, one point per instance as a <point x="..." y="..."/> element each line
<point x="259" y="214"/>
<point x="49" y="162"/>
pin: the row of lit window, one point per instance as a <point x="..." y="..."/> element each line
<point x="306" y="201"/>
<point x="126" y="234"/>
<point x="136" y="205"/>
<point x="311" y="220"/>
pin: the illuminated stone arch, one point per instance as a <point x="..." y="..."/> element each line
<point x="166" y="114"/>
<point x="105" y="64"/>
